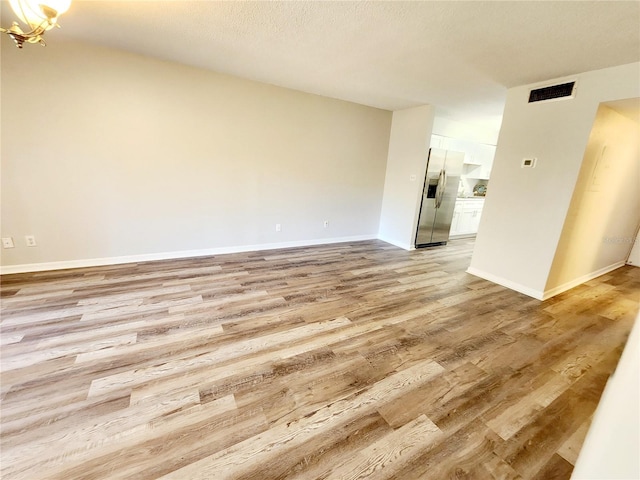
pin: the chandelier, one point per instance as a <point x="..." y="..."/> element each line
<point x="38" y="17"/>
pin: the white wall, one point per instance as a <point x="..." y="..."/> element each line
<point x="605" y="209"/>
<point x="610" y="450"/>
<point x="525" y="209"/>
<point x="111" y="154"/>
<point x="406" y="168"/>
<point x="447" y="127"/>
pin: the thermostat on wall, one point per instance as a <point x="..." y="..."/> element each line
<point x="529" y="162"/>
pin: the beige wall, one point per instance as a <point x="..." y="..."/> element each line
<point x="525" y="209"/>
<point x="634" y="254"/>
<point x="605" y="208"/>
<point x="406" y="169"/>
<point x="110" y="154"/>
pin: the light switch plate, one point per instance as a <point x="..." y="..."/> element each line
<point x="7" y="242"/>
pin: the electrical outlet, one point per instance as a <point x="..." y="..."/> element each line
<point x="326" y="223"/>
<point x="30" y="240"/>
<point x="278" y="227"/>
<point x="7" y="242"/>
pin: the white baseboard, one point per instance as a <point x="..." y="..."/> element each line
<point x="531" y="292"/>
<point x="148" y="257"/>
<point x="462" y="235"/>
<point x="397" y="243"/>
<point x="539" y="294"/>
<point x="552" y="292"/>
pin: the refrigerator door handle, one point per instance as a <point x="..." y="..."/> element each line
<point x="442" y="182"/>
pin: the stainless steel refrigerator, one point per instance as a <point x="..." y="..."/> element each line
<point x="441" y="184"/>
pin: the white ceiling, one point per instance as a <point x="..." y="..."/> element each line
<point x="459" y="56"/>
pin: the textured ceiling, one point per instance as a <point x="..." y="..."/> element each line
<point x="458" y="56"/>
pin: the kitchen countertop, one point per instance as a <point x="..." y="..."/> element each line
<point x="471" y="198"/>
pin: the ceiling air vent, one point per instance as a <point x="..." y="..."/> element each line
<point x="553" y="92"/>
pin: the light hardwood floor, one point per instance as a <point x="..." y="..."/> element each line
<point x="355" y="360"/>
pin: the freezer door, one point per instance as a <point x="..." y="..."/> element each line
<point x="428" y="208"/>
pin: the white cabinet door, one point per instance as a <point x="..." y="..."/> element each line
<point x="474" y="221"/>
<point x="466" y="217"/>
<point x="478" y="157"/>
<point x="466" y="222"/>
<point x="455" y="222"/>
<point x="438" y="141"/>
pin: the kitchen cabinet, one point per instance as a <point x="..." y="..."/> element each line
<point x="438" y="141"/>
<point x="478" y="157"/>
<point x="466" y="216"/>
<point x="480" y="161"/>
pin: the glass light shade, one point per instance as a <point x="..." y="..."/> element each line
<point x="37" y="12"/>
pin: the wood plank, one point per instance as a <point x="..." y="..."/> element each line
<point x="352" y="360"/>
<point x="387" y="455"/>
